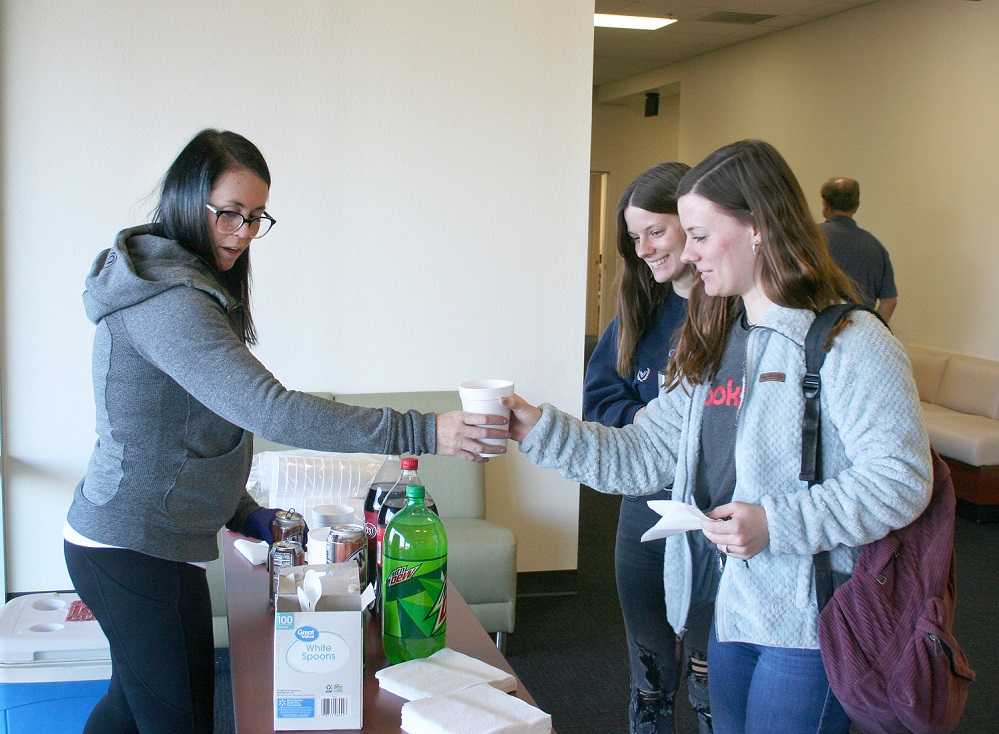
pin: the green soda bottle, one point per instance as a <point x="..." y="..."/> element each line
<point x="414" y="581"/>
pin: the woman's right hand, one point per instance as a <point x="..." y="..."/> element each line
<point x="523" y="416"/>
<point x="458" y="433"/>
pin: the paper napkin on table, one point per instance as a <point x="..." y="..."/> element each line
<point x="255" y="553"/>
<point x="677" y="517"/>
<point x="480" y="709"/>
<point x="446" y="671"/>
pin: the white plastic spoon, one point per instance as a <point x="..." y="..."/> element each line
<point x="303" y="600"/>
<point x="313" y="588"/>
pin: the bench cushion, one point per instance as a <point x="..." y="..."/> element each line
<point x="457" y="486"/>
<point x="970" y="385"/>
<point x="927" y="368"/>
<point x="972" y="439"/>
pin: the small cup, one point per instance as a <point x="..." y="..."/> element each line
<point x="315" y="554"/>
<point x="324" y="516"/>
<point x="482" y="396"/>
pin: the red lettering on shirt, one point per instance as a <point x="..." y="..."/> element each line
<point x="729" y="395"/>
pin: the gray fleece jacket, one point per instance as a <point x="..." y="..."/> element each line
<point x="178" y="397"/>
<point x="875" y="457"/>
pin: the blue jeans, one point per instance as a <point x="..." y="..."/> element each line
<point x="771" y="690"/>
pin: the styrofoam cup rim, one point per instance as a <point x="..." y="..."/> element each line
<point x="487" y="389"/>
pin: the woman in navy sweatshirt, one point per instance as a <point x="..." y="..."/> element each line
<point x="622" y="377"/>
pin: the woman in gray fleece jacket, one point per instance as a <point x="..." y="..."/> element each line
<point x="726" y="431"/>
<point x="178" y="396"/>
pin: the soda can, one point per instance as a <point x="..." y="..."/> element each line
<point x="283" y="554"/>
<point x="348" y="543"/>
<point x="288" y="525"/>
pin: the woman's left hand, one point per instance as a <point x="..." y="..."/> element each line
<point x="739" y="529"/>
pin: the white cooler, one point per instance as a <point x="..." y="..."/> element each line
<point x="54" y="664"/>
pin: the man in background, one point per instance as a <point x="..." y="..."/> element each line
<point x="855" y="250"/>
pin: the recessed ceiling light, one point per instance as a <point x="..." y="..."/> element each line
<point x="634" y="22"/>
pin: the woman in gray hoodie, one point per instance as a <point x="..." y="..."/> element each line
<point x="179" y="396"/>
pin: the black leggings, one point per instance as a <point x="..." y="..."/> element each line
<point x="157" y="616"/>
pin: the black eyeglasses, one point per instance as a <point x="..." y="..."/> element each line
<point x="228" y="222"/>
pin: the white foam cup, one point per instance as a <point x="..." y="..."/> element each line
<point x="482" y="396"/>
<point x="315" y="554"/>
<point x="323" y="516"/>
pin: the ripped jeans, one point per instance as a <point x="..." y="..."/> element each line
<point x="653" y="654"/>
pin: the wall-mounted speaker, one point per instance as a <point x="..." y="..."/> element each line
<point x="651" y="104"/>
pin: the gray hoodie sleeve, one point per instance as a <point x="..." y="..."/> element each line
<point x="186" y="333"/>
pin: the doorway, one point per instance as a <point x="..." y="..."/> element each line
<point x="596" y="273"/>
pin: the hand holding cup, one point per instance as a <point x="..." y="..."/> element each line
<point x="484" y="396"/>
<point x="523" y="416"/>
<point x="460" y="433"/>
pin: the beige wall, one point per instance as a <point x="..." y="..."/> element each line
<point x="401" y="160"/>
<point x="902" y="95"/>
<point x="422" y="173"/>
<point x="624" y="143"/>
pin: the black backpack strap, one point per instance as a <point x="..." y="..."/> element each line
<point x="816" y="343"/>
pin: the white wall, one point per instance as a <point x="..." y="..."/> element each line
<point x="902" y="95"/>
<point x="430" y="185"/>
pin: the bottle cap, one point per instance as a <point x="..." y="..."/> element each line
<point x="409" y="463"/>
<point x="415" y="491"/>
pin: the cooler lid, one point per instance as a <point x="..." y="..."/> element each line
<point x="49" y="627"/>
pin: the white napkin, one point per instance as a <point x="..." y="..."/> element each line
<point x="255" y="553"/>
<point x="446" y="671"/>
<point x="677" y="517"/>
<point x="480" y="709"/>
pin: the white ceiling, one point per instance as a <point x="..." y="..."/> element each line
<point x="622" y="53"/>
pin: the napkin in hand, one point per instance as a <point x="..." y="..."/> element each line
<point x="677" y="517"/>
<point x="255" y="553"/>
<point x="446" y="671"/>
<point x="480" y="709"/>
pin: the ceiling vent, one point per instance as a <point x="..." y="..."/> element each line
<point x="724" y="16"/>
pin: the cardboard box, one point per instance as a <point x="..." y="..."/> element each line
<point x="319" y="655"/>
<point x="54" y="664"/>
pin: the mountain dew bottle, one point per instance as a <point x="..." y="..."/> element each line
<point x="414" y="581"/>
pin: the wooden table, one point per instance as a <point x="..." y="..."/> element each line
<point x="251" y="650"/>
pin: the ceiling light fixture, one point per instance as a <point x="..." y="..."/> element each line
<point x="631" y="22"/>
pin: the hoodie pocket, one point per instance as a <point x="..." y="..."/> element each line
<point x="207" y="490"/>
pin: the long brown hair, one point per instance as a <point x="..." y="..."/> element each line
<point x="640" y="296"/>
<point x="752" y="182"/>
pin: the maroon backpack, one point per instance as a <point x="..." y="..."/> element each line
<point x="886" y="633"/>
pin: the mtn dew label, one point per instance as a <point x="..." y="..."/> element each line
<point x="414" y="612"/>
<point x="414" y="609"/>
<point x="414" y="581"/>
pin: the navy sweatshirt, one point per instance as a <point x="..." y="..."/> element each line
<point x="613" y="400"/>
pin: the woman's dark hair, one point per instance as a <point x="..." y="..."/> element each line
<point x="752" y="182"/>
<point x="182" y="212"/>
<point x="640" y="296"/>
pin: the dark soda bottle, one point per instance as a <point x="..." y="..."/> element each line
<point x="391" y="504"/>
<point x="384" y="480"/>
<point x="414" y="581"/>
